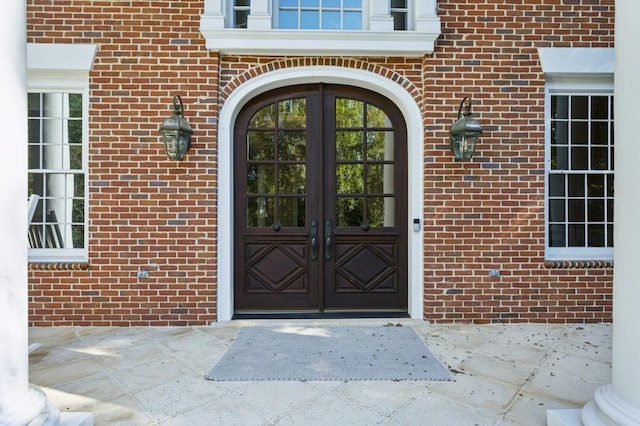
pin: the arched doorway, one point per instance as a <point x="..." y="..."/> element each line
<point x="320" y="202"/>
<point x="255" y="86"/>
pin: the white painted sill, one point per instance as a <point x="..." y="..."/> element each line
<point x="319" y="43"/>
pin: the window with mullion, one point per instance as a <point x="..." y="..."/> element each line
<point x="320" y="14"/>
<point x="241" y="10"/>
<point x="580" y="173"/>
<point x="56" y="171"/>
<point x="399" y="13"/>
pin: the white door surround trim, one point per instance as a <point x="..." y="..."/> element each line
<point x="317" y="74"/>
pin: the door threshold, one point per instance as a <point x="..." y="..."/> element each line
<point x="320" y="315"/>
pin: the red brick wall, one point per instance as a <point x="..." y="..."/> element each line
<point x="489" y="213"/>
<point x="148" y="213"/>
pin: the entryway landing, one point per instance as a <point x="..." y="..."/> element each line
<point x="502" y="375"/>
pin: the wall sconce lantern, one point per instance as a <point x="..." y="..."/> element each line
<point x="464" y="133"/>
<point x="176" y="132"/>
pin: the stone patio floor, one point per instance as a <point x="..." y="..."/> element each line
<point x="502" y="375"/>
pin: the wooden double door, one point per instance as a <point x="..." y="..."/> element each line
<point x="320" y="206"/>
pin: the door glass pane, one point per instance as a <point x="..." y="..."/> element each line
<point x="292" y="145"/>
<point x="381" y="211"/>
<point x="349" y="113"/>
<point x="292" y="113"/>
<point x="291" y="211"/>
<point x="260" y="145"/>
<point x="265" y="118"/>
<point x="260" y="211"/>
<point x="291" y="179"/>
<point x="349" y="211"/>
<point x="349" y="146"/>
<point x="380" y="179"/>
<point x="380" y="145"/>
<point x="260" y="179"/>
<point x="377" y="118"/>
<point x="349" y="179"/>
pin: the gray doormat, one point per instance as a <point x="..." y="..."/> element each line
<point x="328" y="353"/>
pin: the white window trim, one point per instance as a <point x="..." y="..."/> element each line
<point x="379" y="39"/>
<point x="573" y="71"/>
<point x="63" y="68"/>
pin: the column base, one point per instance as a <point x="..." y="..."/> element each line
<point x="608" y="409"/>
<point x="24" y="408"/>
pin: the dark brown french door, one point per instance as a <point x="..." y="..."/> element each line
<point x="320" y="202"/>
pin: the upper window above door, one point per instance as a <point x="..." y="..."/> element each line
<point x="328" y="27"/>
<point x="319" y="14"/>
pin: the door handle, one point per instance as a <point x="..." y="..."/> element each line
<point x="314" y="239"/>
<point x="328" y="240"/>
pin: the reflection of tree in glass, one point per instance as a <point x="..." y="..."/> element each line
<point x="292" y="113"/>
<point x="75" y="141"/>
<point x="264" y="118"/>
<point x="361" y="145"/>
<point x="285" y="122"/>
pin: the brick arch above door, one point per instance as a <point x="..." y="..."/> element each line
<point x="384" y="70"/>
<point x="236" y="99"/>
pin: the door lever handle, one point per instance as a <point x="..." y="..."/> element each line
<point x="328" y="237"/>
<point x="314" y="239"/>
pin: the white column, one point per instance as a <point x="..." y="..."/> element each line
<point x="619" y="402"/>
<point x="380" y="16"/>
<point x="259" y="15"/>
<point x="19" y="403"/>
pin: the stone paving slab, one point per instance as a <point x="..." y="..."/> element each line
<point x="502" y="375"/>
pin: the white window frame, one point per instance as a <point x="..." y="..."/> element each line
<point x="377" y="38"/>
<point x="63" y="68"/>
<point x="573" y="71"/>
<point x="363" y="10"/>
